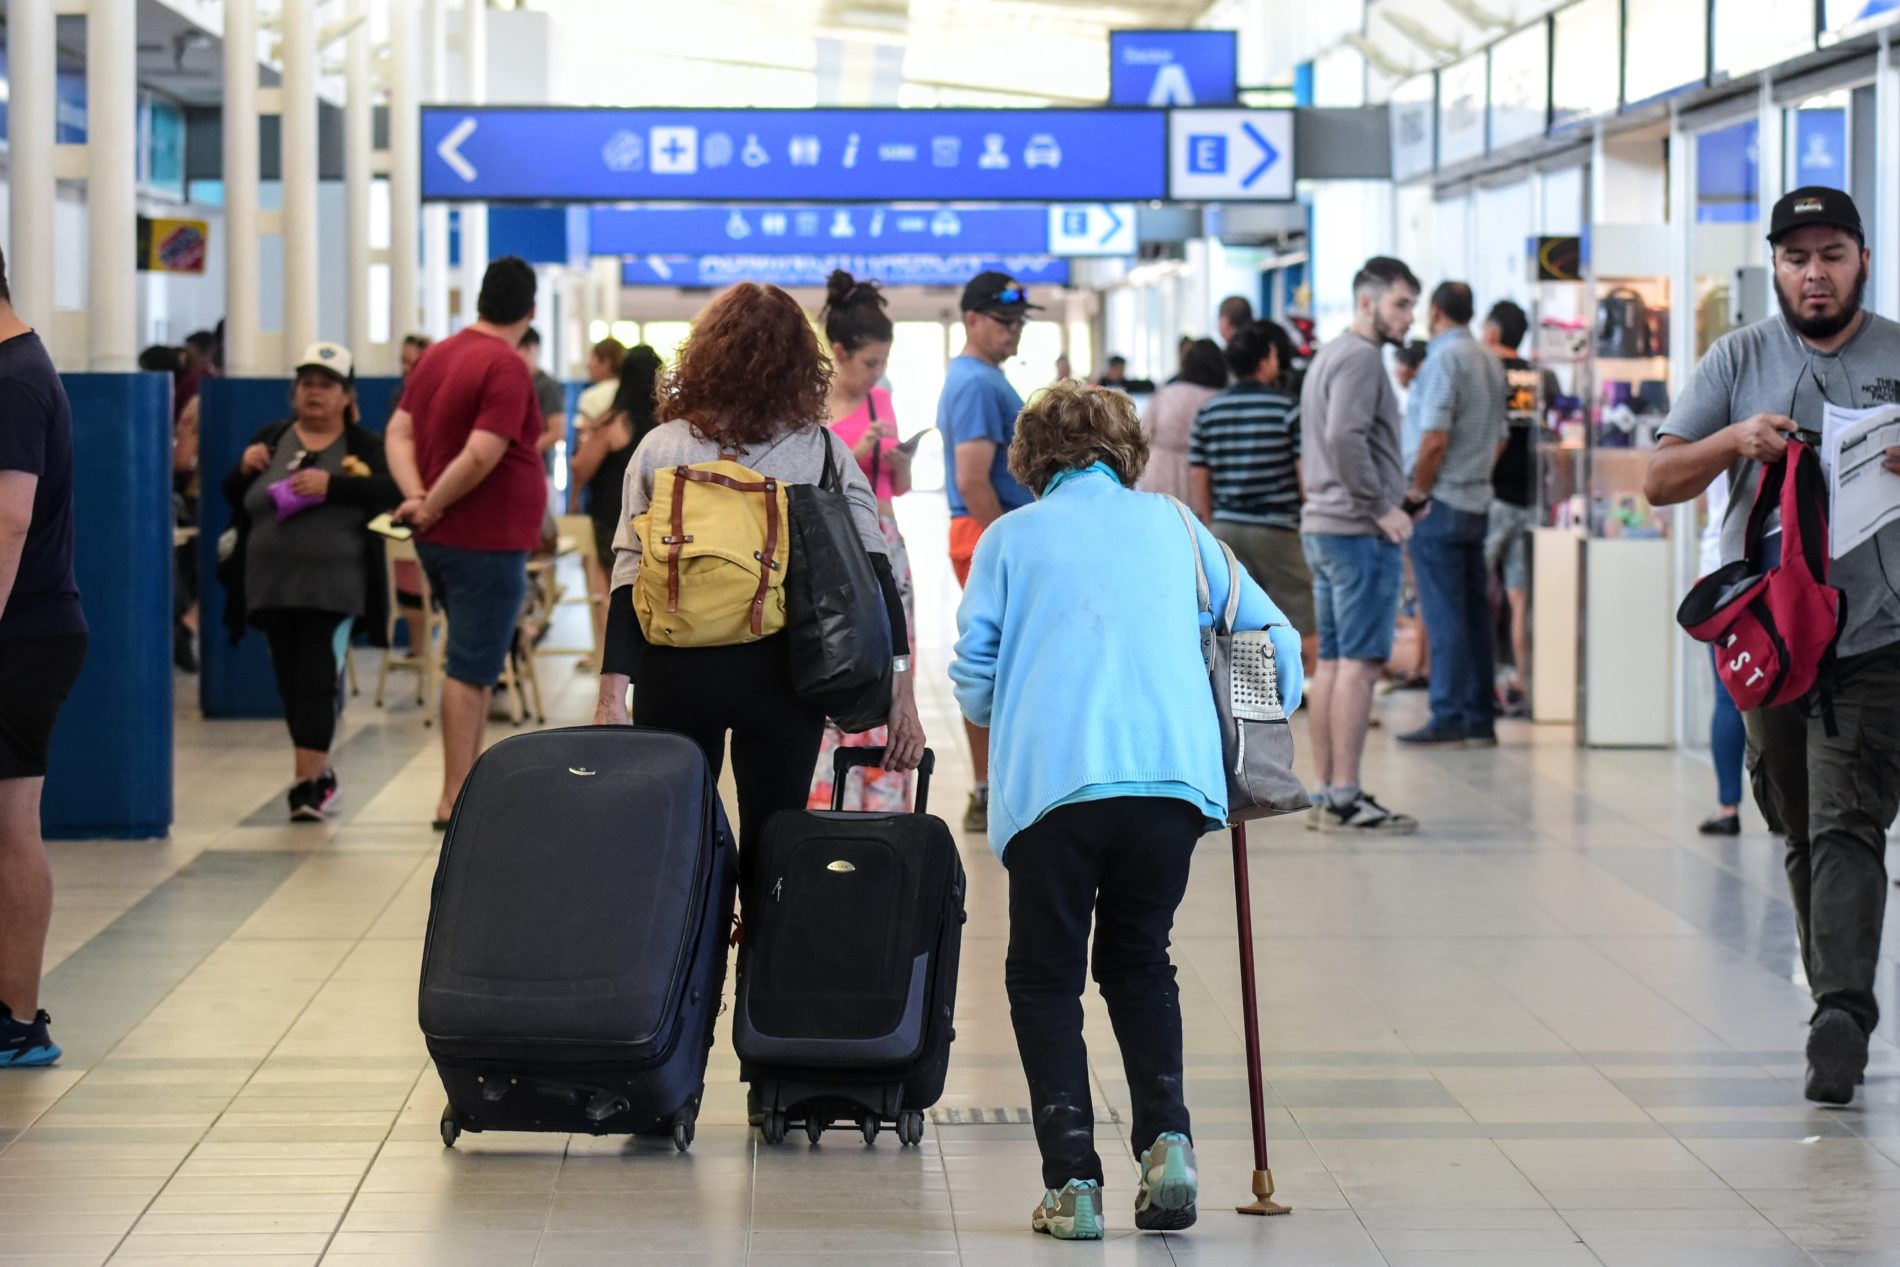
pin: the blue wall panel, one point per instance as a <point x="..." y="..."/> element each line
<point x="110" y="772"/>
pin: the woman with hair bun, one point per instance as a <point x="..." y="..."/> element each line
<point x="859" y="332"/>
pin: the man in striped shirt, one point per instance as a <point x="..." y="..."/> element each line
<point x="1244" y="453"/>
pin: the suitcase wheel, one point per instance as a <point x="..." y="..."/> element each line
<point x="814" y="1126"/>
<point x="451" y="1128"/>
<point x="683" y="1129"/>
<point x="910" y="1127"/>
<point x="867" y="1126"/>
<point x="772" y="1126"/>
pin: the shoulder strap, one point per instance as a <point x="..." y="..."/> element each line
<point x="1767" y="500"/>
<point x="1200" y="569"/>
<point x="1803" y="519"/>
<point x="833" y="478"/>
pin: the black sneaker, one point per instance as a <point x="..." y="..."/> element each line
<point x="24" y="1046"/>
<point x="1435" y="737"/>
<point x="1837" y="1056"/>
<point x="1721" y="825"/>
<point x="305" y="802"/>
<point x="1364" y="817"/>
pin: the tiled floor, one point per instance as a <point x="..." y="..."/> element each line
<point x="1555" y="1028"/>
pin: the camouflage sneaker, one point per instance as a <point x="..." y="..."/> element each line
<point x="1071" y="1213"/>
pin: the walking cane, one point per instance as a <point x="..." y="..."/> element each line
<point x="1263" y="1202"/>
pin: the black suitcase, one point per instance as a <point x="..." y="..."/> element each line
<point x="848" y="993"/>
<point x="577" y="936"/>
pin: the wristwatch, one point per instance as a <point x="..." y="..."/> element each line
<point x="900" y="664"/>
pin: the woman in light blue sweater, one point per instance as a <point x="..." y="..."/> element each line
<point x="1080" y="649"/>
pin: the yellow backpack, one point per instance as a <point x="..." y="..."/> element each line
<point x="715" y="542"/>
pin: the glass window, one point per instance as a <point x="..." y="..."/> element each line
<point x="1665" y="47"/>
<point x="664" y="337"/>
<point x="1752" y="34"/>
<point x="1817" y="138"/>
<point x="1583" y="61"/>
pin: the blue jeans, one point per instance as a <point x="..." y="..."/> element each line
<point x="482" y="593"/>
<point x="1728" y="742"/>
<point x="1356" y="582"/>
<point x="1448" y="562"/>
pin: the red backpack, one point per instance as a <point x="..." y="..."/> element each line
<point x="1773" y="630"/>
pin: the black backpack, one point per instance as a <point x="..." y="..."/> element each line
<point x="1622" y="325"/>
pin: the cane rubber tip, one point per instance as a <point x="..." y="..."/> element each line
<point x="1263" y="1203"/>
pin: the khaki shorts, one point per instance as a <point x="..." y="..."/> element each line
<point x="1277" y="562"/>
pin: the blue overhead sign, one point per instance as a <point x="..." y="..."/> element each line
<point x="1173" y="68"/>
<point x="608" y="155"/>
<point x="816" y="269"/>
<point x="1100" y="229"/>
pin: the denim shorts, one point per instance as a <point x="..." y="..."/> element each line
<point x="481" y="592"/>
<point x="1355" y="595"/>
<point x="1509" y="543"/>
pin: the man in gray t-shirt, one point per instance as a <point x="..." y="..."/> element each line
<point x="1454" y="430"/>
<point x="1829" y="776"/>
<point x="1351" y="530"/>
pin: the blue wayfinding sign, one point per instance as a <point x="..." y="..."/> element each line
<point x="816" y="269"/>
<point x="1173" y="68"/>
<point x="602" y="155"/>
<point x="782" y="229"/>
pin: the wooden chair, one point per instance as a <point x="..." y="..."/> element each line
<point x="576" y="534"/>
<point x="424" y="661"/>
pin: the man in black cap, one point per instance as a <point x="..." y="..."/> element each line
<point x="977" y="415"/>
<point x="1835" y="789"/>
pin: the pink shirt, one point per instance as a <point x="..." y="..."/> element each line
<point x="851" y="429"/>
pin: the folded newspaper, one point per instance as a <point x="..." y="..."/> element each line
<point x="1863" y="496"/>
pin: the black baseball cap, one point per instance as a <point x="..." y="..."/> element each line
<point x="1815" y="204"/>
<point x="997" y="292"/>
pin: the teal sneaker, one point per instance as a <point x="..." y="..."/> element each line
<point x="1170" y="1185"/>
<point x="1072" y="1214"/>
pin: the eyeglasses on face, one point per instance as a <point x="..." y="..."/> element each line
<point x="1008" y="323"/>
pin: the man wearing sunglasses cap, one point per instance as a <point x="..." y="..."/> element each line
<point x="1836" y="794"/>
<point x="977" y="415"/>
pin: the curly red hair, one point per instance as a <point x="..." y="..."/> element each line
<point x="751" y="371"/>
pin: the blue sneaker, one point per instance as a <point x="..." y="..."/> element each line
<point x="24" y="1046"/>
<point x="1170" y="1185"/>
<point x="1071" y="1213"/>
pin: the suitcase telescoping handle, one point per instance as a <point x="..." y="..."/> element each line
<point x="847" y="758"/>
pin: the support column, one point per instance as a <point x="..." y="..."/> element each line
<point x="1885" y="238"/>
<point x="405" y="166"/>
<point x="111" y="180"/>
<point x="300" y="177"/>
<point x="435" y="217"/>
<point x="358" y="141"/>
<point x="474" y="215"/>
<point x="32" y="127"/>
<point x="241" y="267"/>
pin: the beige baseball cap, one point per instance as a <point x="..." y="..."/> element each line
<point x="333" y="358"/>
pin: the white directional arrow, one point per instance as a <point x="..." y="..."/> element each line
<point x="450" y="149"/>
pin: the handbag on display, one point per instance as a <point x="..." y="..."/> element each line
<point x="1622" y="325"/>
<point x="834" y="608"/>
<point x="1256" y="739"/>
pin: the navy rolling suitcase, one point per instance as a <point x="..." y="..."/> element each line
<point x="848" y="994"/>
<point x="577" y="937"/>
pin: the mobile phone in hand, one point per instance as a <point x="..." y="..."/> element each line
<point x="910" y="446"/>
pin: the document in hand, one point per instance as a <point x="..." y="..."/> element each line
<point x="1863" y="497"/>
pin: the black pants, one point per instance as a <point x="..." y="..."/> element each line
<point x="307" y="649"/>
<point x="706" y="692"/>
<point x="1835" y="798"/>
<point x="1125" y="861"/>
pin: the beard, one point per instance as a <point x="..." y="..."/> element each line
<point x="1829" y="326"/>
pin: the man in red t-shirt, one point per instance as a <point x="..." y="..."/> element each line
<point x="464" y="449"/>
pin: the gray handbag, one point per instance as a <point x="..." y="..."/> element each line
<point x="1256" y="740"/>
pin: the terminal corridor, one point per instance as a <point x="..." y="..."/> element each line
<point x="1555" y="1027"/>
